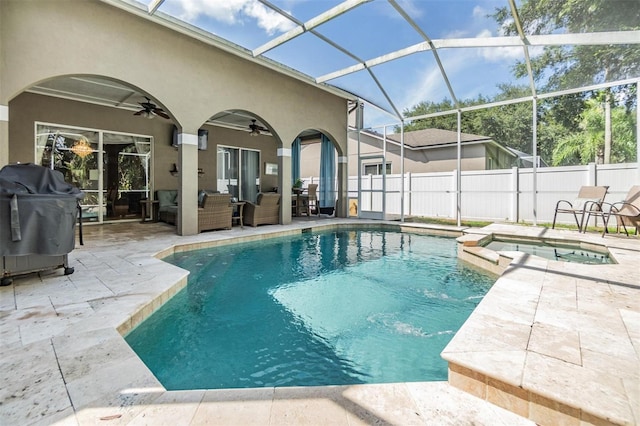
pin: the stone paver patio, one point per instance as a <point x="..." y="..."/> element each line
<point x="548" y="338"/>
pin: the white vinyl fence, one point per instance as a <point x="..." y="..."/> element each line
<point x="492" y="195"/>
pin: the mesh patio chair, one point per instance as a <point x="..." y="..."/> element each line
<point x="626" y="212"/>
<point x="589" y="202"/>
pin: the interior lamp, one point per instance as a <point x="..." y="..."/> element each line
<point x="82" y="148"/>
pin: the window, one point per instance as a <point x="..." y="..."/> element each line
<point x="375" y="169"/>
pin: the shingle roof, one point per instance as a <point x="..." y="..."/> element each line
<point x="436" y="137"/>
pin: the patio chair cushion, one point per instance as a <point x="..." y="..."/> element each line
<point x="166" y="198"/>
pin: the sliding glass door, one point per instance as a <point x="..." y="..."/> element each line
<point x="112" y="169"/>
<point x="127" y="174"/>
<point x="239" y="172"/>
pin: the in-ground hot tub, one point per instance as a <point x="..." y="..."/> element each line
<point x="494" y="252"/>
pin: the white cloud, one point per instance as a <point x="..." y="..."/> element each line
<point x="499" y="54"/>
<point x="479" y="12"/>
<point x="268" y="19"/>
<point x="226" y="11"/>
<point x="456" y="34"/>
<point x="431" y="85"/>
<point x="235" y="12"/>
<point x="411" y="8"/>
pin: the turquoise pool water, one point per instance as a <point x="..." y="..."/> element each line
<point x="563" y="253"/>
<point x="319" y="309"/>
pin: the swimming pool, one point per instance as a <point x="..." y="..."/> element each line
<point x="330" y="308"/>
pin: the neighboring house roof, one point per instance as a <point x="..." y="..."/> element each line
<point x="426" y="138"/>
<point x="436" y="138"/>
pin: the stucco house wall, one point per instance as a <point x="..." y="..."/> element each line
<point x="190" y="78"/>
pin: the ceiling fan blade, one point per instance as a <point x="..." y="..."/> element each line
<point x="160" y="113"/>
<point x="139" y="112"/>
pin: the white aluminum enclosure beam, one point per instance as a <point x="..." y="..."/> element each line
<point x="315" y="33"/>
<point x="527" y="98"/>
<point x="584" y="39"/>
<point x="154" y="5"/>
<point x="525" y="48"/>
<point x="415" y="26"/>
<point x="309" y="25"/>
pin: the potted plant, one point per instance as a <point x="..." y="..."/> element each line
<point x="297" y="185"/>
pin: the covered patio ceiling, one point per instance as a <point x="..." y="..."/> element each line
<point x="390" y="54"/>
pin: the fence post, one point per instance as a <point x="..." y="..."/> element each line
<point x="408" y="188"/>
<point x="454" y="192"/>
<point x="515" y="195"/>
<point x="592" y="174"/>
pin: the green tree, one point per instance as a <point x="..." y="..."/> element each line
<point x="588" y="144"/>
<point x="509" y="125"/>
<point x="575" y="66"/>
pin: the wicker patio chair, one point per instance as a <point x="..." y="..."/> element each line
<point x="626" y="212"/>
<point x="216" y="212"/>
<point x="589" y="200"/>
<point x="266" y="210"/>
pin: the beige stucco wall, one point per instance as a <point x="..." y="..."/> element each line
<point x="29" y="108"/>
<point x="192" y="80"/>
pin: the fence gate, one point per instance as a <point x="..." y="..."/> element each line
<point x="371" y="189"/>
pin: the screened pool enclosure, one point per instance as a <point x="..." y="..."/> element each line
<point x="420" y="64"/>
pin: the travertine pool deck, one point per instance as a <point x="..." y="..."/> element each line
<point x="555" y="342"/>
<point x="571" y="338"/>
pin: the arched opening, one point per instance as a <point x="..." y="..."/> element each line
<point x="100" y="133"/>
<point x="315" y="164"/>
<point x="243" y="154"/>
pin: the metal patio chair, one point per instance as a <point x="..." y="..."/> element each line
<point x="589" y="202"/>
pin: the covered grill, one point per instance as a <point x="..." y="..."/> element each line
<point x="38" y="211"/>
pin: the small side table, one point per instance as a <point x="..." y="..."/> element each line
<point x="149" y="208"/>
<point x="240" y="206"/>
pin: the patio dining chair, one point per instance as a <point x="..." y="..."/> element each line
<point x="626" y="212"/>
<point x="589" y="202"/>
<point x="310" y="200"/>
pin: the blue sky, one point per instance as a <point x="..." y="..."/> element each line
<point x="369" y="31"/>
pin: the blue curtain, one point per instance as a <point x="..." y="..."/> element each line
<point x="327" y="196"/>
<point x="295" y="160"/>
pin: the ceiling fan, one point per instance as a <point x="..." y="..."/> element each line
<point x="150" y="110"/>
<point x="256" y="129"/>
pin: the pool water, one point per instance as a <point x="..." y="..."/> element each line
<point x="319" y="309"/>
<point x="563" y="253"/>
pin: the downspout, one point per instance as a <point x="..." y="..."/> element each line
<point x="384" y="172"/>
<point x="459" y="172"/>
<point x="358" y="172"/>
<point x="401" y="171"/>
<point x="534" y="150"/>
